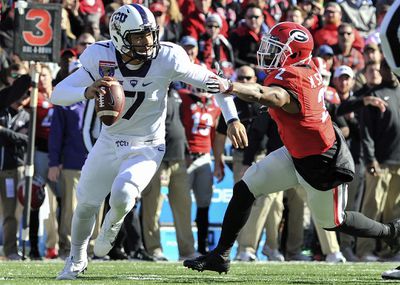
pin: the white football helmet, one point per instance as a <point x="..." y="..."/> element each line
<point x="129" y="19"/>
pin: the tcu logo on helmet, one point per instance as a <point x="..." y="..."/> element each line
<point x="299" y="35"/>
<point x="119" y="16"/>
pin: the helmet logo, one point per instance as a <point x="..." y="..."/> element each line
<point x="119" y="16"/>
<point x="299" y="35"/>
<point x="116" y="26"/>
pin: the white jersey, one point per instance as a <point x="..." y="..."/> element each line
<point x="145" y="88"/>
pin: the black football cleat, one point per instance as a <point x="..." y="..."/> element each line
<point x="211" y="261"/>
<point x="394" y="240"/>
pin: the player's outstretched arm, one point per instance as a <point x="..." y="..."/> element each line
<point x="268" y="96"/>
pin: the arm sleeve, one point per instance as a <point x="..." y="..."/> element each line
<point x="71" y="89"/>
<point x="227" y="106"/>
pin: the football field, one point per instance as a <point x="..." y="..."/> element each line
<point x="128" y="272"/>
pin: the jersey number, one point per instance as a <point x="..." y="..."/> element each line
<point x="139" y="100"/>
<point x="197" y="118"/>
<point x="321" y="99"/>
<point x="279" y="74"/>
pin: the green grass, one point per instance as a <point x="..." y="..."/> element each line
<point x="128" y="272"/>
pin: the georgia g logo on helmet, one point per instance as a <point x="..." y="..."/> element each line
<point x="299" y="36"/>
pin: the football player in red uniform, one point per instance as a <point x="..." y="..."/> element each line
<point x="314" y="155"/>
<point x="199" y="113"/>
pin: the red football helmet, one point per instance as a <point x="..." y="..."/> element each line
<point x="287" y="43"/>
<point x="38" y="192"/>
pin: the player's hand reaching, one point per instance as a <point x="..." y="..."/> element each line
<point x="218" y="83"/>
<point x="94" y="89"/>
<point x="237" y="134"/>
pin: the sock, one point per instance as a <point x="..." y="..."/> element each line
<point x="83" y="222"/>
<point x="356" y="224"/>
<point x="33" y="231"/>
<point x="236" y="215"/>
<point x="202" y="229"/>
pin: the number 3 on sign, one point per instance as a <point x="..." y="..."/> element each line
<point x="43" y="25"/>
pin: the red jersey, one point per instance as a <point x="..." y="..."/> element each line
<point x="199" y="117"/>
<point x="44" y="115"/>
<point x="309" y="132"/>
<point x="332" y="96"/>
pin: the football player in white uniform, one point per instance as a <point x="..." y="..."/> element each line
<point x="390" y="37"/>
<point x="127" y="154"/>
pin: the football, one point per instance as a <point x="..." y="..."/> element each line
<point x="109" y="106"/>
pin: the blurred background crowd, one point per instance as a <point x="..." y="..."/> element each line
<point x="223" y="33"/>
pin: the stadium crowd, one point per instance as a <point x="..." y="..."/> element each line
<point x="223" y="35"/>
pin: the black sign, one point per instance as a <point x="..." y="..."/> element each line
<point x="38" y="32"/>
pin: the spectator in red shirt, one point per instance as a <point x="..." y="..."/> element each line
<point x="332" y="19"/>
<point x="345" y="53"/>
<point x="328" y="34"/>
<point x="313" y="12"/>
<point x="186" y="6"/>
<point x="215" y="48"/>
<point x="246" y="38"/>
<point x="295" y="14"/>
<point x="199" y="114"/>
<point x="91" y="11"/>
<point x="194" y="24"/>
<point x="269" y="19"/>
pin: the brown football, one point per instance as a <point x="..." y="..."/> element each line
<point x="110" y="105"/>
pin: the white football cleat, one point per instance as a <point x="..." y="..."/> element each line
<point x="246" y="256"/>
<point x="105" y="241"/>
<point x="72" y="269"/>
<point x="393" y="274"/>
<point x="272" y="254"/>
<point x="336" y="257"/>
